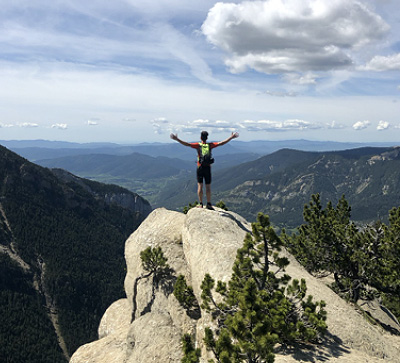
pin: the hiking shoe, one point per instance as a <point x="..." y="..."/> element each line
<point x="200" y="205"/>
<point x="209" y="206"/>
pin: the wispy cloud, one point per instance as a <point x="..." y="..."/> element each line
<point x="6" y="125"/>
<point x="93" y="122"/>
<point x="162" y="126"/>
<point x="27" y="124"/>
<point x="281" y="93"/>
<point x="335" y="125"/>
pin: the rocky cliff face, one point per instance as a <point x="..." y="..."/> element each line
<point x="114" y="195"/>
<point x="203" y="242"/>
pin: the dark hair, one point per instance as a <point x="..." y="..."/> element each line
<point x="204" y="135"/>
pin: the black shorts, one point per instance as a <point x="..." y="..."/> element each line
<point x="204" y="172"/>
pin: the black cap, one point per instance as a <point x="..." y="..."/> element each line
<point x="204" y="135"/>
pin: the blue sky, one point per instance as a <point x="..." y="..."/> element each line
<point x="132" y="71"/>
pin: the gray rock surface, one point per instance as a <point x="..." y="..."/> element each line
<point x="203" y="242"/>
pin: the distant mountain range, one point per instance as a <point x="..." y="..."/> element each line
<point x="35" y="150"/>
<point x="369" y="178"/>
<point x="278" y="183"/>
<point x="61" y="257"/>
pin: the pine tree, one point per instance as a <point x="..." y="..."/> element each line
<point x="185" y="295"/>
<point x="328" y="242"/>
<point x="365" y="263"/>
<point x="154" y="263"/>
<point x="190" y="353"/>
<point x="258" y="307"/>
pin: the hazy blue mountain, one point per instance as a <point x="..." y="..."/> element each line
<point x="133" y="166"/>
<point x="35" y="150"/>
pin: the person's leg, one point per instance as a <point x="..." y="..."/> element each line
<point x="200" y="192"/>
<point x="208" y="193"/>
<point x="207" y="178"/>
<point x="200" y="177"/>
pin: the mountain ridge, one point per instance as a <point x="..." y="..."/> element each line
<point x="58" y="235"/>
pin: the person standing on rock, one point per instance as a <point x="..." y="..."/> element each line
<point x="204" y="161"/>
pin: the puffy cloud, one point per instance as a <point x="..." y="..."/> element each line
<point x="360" y="125"/>
<point x="59" y="126"/>
<point x="27" y="124"/>
<point x="382" y="64"/>
<point x="383" y="125"/>
<point x="279" y="36"/>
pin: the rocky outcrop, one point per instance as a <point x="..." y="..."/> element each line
<point x="203" y="242"/>
<point x="113" y="195"/>
<point x="130" y="201"/>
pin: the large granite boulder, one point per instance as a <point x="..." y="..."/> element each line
<point x="203" y="242"/>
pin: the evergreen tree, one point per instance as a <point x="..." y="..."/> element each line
<point x="381" y="247"/>
<point x="258" y="308"/>
<point x="184" y="294"/>
<point x="155" y="264"/>
<point x="330" y="243"/>
<point x="365" y="263"/>
<point x="190" y="353"/>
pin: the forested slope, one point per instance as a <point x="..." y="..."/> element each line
<point x="61" y="258"/>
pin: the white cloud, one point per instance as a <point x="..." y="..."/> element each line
<point x="281" y="93"/>
<point x="27" y="124"/>
<point x="301" y="79"/>
<point x="161" y="125"/>
<point x="382" y="64"/>
<point x="92" y="122"/>
<point x="335" y="126"/>
<point x="193" y="127"/>
<point x="383" y="125"/>
<point x="59" y="126"/>
<point x="6" y="125"/>
<point x="360" y="125"/>
<point x="197" y="126"/>
<point x="279" y="36"/>
<point x="288" y="125"/>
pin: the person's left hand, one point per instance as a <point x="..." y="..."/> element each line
<point x="174" y="136"/>
<point x="235" y="135"/>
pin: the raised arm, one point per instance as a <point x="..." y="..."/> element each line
<point x="233" y="136"/>
<point x="175" y="137"/>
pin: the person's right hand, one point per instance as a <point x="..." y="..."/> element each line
<point x="174" y="136"/>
